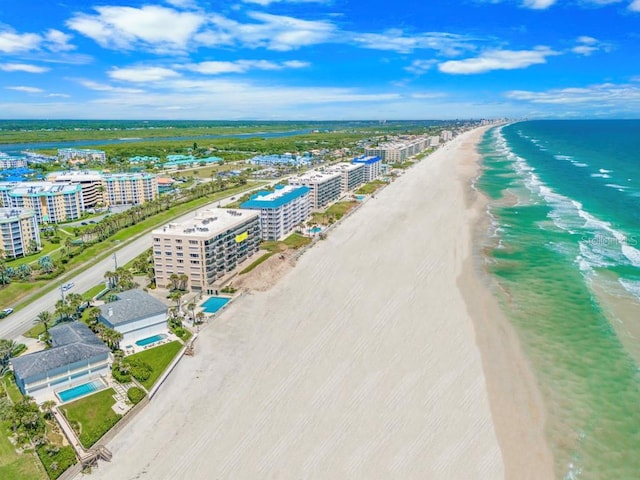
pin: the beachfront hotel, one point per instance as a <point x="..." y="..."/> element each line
<point x="76" y="356"/>
<point x="206" y="247"/>
<point x="281" y="210"/>
<point x="372" y="167"/>
<point x="325" y="187"/>
<point x="81" y="155"/>
<point x="352" y="175"/>
<point x="19" y="232"/>
<point x="51" y="202"/>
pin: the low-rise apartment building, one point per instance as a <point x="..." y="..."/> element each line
<point x="205" y="248"/>
<point x="81" y="155"/>
<point x="325" y="187"/>
<point x="281" y="210"/>
<point x="19" y="232"/>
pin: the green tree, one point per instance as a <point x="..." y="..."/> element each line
<point x="44" y="318"/>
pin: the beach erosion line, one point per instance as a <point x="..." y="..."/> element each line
<point x="361" y="362"/>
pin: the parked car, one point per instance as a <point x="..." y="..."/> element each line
<point x="5" y="312"/>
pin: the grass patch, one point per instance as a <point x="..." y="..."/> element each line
<point x="158" y="358"/>
<point x="338" y="210"/>
<point x="35" y="331"/>
<point x="370" y="188"/>
<point x="92" y="292"/>
<point x="57" y="460"/>
<point x="295" y="241"/>
<point x="17" y="466"/>
<point x="9" y="384"/>
<point x="92" y="417"/>
<point x="260" y="260"/>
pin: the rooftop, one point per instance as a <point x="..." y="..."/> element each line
<point x="366" y="160"/>
<point x="344" y="167"/>
<point x="281" y="195"/>
<point x="72" y="342"/>
<point x="42" y="188"/>
<point x="207" y="223"/>
<point x="131" y="305"/>
<point x="8" y="213"/>
<point x="313" y="176"/>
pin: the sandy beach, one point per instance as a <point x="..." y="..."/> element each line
<point x="362" y="362"/>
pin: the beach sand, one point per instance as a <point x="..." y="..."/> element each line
<point x="361" y="362"/>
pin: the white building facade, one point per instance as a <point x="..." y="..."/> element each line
<point x="325" y="187"/>
<point x="19" y="232"/>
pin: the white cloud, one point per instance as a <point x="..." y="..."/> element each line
<point x="266" y="3"/>
<point x="142" y="74"/>
<point x="498" y="60"/>
<point x="25" y="89"/>
<point x="22" y="67"/>
<point x="58" y="41"/>
<point x="538" y="4"/>
<point x="419" y="67"/>
<point x="449" y="44"/>
<point x="587" y="45"/>
<point x="605" y="93"/>
<point x="635" y="6"/>
<point x="58" y="95"/>
<point x="155" y="27"/>
<point x="242" y="66"/>
<point x="14" y="42"/>
<point x="102" y="87"/>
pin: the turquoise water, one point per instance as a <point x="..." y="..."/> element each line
<point x="564" y="250"/>
<point x="213" y="304"/>
<point x="316" y="230"/>
<point x="80" y="390"/>
<point x="149" y="340"/>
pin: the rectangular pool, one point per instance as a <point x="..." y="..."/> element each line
<point x="213" y="304"/>
<point x="80" y="390"/>
<point x="149" y="340"/>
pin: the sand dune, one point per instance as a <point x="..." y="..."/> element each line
<point x="360" y="363"/>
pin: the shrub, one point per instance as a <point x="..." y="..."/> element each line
<point x="135" y="395"/>
<point x="140" y="370"/>
<point x="56" y="460"/>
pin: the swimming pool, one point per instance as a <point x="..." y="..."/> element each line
<point x="316" y="230"/>
<point x="80" y="390"/>
<point x="149" y="340"/>
<point x="213" y="304"/>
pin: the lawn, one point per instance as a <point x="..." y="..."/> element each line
<point x="91" y="417"/>
<point x="295" y="241"/>
<point x="158" y="358"/>
<point x="93" y="291"/>
<point x="9" y="384"/>
<point x="339" y="209"/>
<point x="17" y="466"/>
<point x="369" y="188"/>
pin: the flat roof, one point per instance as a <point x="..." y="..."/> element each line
<point x="10" y="213"/>
<point x="343" y="166"/>
<point x="43" y="188"/>
<point x="283" y="194"/>
<point x="367" y="160"/>
<point x="314" y="176"/>
<point x="207" y="223"/>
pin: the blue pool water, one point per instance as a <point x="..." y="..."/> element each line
<point x="149" y="340"/>
<point x="80" y="390"/>
<point x="213" y="304"/>
<point x="316" y="230"/>
<point x="360" y="197"/>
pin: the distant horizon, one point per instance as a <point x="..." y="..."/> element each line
<point x="288" y="60"/>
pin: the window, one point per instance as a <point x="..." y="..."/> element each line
<point x="167" y="253"/>
<point x="193" y="242"/>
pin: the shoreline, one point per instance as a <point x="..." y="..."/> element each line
<point x="363" y="361"/>
<point x="517" y="405"/>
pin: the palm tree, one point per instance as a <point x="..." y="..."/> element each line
<point x="46" y="264"/>
<point x="191" y="307"/>
<point x="111" y="278"/>
<point x="47" y="408"/>
<point x="200" y="316"/>
<point x="176" y="295"/>
<point x="75" y="301"/>
<point x="44" y="318"/>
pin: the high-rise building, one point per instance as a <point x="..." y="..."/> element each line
<point x="325" y="187"/>
<point x="51" y="202"/>
<point x="19" y="232"/>
<point x="352" y="175"/>
<point x="371" y="167"/>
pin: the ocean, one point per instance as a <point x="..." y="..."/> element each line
<point x="563" y="255"/>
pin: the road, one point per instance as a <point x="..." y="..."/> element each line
<point x="20" y="321"/>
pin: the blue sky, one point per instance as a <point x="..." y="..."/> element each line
<point x="319" y="59"/>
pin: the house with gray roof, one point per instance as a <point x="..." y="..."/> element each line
<point x="76" y="356"/>
<point x="135" y="314"/>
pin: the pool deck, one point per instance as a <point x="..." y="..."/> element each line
<point x="133" y="348"/>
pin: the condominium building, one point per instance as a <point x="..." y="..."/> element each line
<point x="325" y="187"/>
<point x="129" y="188"/>
<point x="280" y="210"/>
<point x="398" y="152"/>
<point x="81" y="155"/>
<point x="51" y="202"/>
<point x="206" y="247"/>
<point x="371" y="167"/>
<point x="90" y="181"/>
<point x="19" y="232"/>
<point x="7" y="161"/>
<point x="446" y="135"/>
<point x="352" y="175"/>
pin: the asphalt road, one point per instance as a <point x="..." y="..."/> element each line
<point x="20" y="321"/>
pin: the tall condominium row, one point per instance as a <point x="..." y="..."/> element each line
<point x="19" y="233"/>
<point x="398" y="152"/>
<point x="51" y="202"/>
<point x="206" y="247"/>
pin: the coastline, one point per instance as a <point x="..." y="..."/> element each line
<point x="517" y="405"/>
<point x="373" y="358"/>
